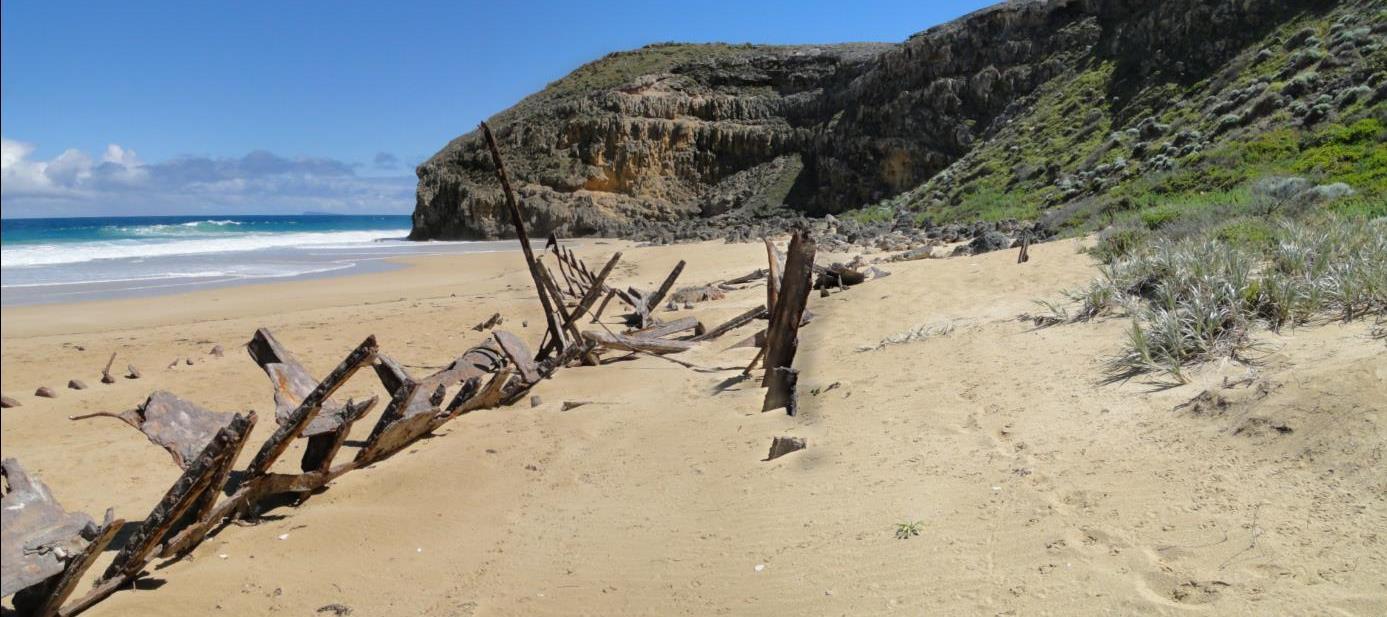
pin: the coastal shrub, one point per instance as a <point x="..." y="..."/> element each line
<point x="1199" y="298"/>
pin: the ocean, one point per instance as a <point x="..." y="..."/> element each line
<point x="73" y="259"/>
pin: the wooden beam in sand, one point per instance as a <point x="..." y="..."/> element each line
<point x="782" y="338"/>
<point x="518" y="221"/>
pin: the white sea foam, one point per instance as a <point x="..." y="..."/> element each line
<point x="28" y="255"/>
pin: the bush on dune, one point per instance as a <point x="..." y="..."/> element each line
<point x="1197" y="298"/>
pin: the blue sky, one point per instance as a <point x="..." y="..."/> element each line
<point x="262" y="107"/>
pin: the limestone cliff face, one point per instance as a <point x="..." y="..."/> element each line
<point x="673" y="132"/>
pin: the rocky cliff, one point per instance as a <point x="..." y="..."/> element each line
<point x="953" y="115"/>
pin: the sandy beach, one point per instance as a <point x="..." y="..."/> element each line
<point x="1039" y="490"/>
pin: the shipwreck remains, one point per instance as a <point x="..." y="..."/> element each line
<point x="48" y="551"/>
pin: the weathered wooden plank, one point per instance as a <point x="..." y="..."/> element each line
<point x="666" y="329"/>
<point x="279" y="441"/>
<point x="1025" y="254"/>
<point x="782" y="339"/>
<point x="292" y="382"/>
<point x="178" y="426"/>
<point x="636" y="343"/>
<point x="489" y="395"/>
<point x="518" y="221"/>
<point x="519" y="355"/>
<point x="773" y="274"/>
<point x="208" y="500"/>
<point x="754" y="275"/>
<point x="561" y="313"/>
<point x="78" y="565"/>
<point x="176" y="501"/>
<point x="785" y="396"/>
<point x="36" y="533"/>
<point x="653" y="302"/>
<point x="594" y="290"/>
<point x="732" y="324"/>
<point x="597" y="315"/>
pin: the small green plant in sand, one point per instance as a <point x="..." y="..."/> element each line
<point x="908" y="530"/>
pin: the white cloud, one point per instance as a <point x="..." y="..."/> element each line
<point x="120" y="183"/>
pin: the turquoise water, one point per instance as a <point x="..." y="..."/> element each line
<point x="62" y="260"/>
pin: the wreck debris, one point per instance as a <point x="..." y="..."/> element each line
<point x="292" y="385"/>
<point x="782" y="335"/>
<point x="645" y="344"/>
<point x="491" y="322"/>
<point x="518" y="221"/>
<point x="45" y="549"/>
<point x="176" y="425"/>
<point x="780" y="446"/>
<point x="106" y="377"/>
<point x="1025" y="254"/>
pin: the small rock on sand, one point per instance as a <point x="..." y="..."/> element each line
<point x="45" y="392"/>
<point x="535" y="401"/>
<point x="7" y="402"/>
<point x="567" y="405"/>
<point x="188" y="361"/>
<point x="76" y="384"/>
<point x="132" y="372"/>
<point x="217" y="351"/>
<point x="341" y="610"/>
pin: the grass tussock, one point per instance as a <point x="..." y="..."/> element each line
<point x="1198" y="297"/>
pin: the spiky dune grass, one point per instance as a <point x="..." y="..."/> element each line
<point x="1201" y="297"/>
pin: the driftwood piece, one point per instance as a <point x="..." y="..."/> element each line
<point x="732" y="324"/>
<point x="654" y="300"/>
<point x="636" y="343"/>
<point x="196" y="479"/>
<point x="668" y="328"/>
<point x="518" y="354"/>
<point x="308" y="408"/>
<point x="782" y="339"/>
<point x="518" y="221"/>
<point x="106" y="376"/>
<point x="178" y="426"/>
<point x="1025" y="254"/>
<point x="787" y="394"/>
<point x="780" y="446"/>
<point x="755" y="275"/>
<point x="37" y="536"/>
